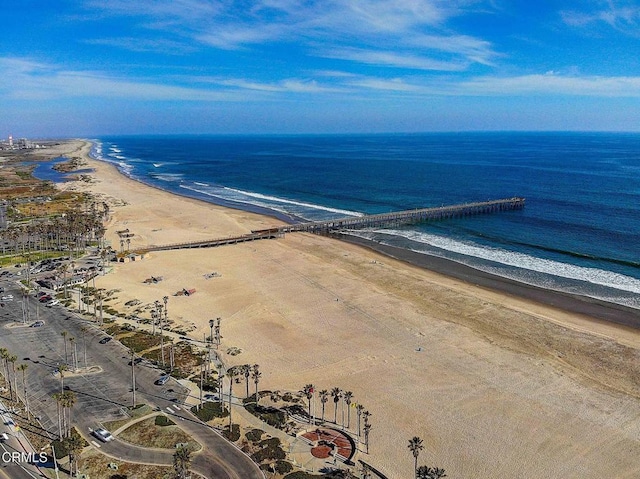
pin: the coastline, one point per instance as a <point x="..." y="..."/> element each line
<point x="479" y="373"/>
<point x="573" y="303"/>
<point x="595" y="308"/>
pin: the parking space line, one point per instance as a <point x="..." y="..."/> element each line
<point x="95" y="444"/>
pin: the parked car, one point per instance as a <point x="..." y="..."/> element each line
<point x="4" y="437"/>
<point x="105" y="340"/>
<point x="103" y="435"/>
<point x="163" y="380"/>
<point x="37" y="324"/>
<point x="53" y="302"/>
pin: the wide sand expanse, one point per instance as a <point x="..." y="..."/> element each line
<point x="497" y="386"/>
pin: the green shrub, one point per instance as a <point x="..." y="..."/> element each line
<point x="232" y="435"/>
<point x="254" y="435"/>
<point x="302" y="475"/>
<point x="163" y="421"/>
<point x="282" y="467"/>
<point x="209" y="410"/>
<point x="270" y="450"/>
<point x="272" y="416"/>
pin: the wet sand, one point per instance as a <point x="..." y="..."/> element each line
<point x="498" y="385"/>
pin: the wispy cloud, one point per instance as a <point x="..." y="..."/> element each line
<point x="395" y="59"/>
<point x="623" y="16"/>
<point x="27" y="80"/>
<point x="549" y="84"/>
<point x="405" y="28"/>
<point x="135" y="44"/>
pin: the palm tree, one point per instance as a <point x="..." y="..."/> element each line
<point x="256" y="375"/>
<point x="64" y="338"/>
<point x="274" y="396"/>
<point x="359" y="409"/>
<point x="245" y="370"/>
<point x="75" y="446"/>
<point x="324" y="397"/>
<point x="4" y="355"/>
<point x="336" y="393"/>
<point x="12" y="359"/>
<point x="182" y="461"/>
<point x="415" y="446"/>
<point x="68" y="401"/>
<point x="74" y="353"/>
<point x="231" y="374"/>
<point x="61" y="369"/>
<point x="367" y="430"/>
<point x="58" y="398"/>
<point x="425" y="472"/>
<point x="23" y="368"/>
<point x="308" y="392"/>
<point x="84" y="343"/>
<point x="347" y="396"/>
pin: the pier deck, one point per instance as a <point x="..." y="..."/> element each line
<point x="383" y="220"/>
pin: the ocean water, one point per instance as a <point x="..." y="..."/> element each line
<point x="579" y="231"/>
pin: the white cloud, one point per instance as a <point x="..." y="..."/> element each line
<point x="397" y="85"/>
<point x="393" y="59"/>
<point x="404" y="27"/>
<point x="624" y="18"/>
<point x="550" y="84"/>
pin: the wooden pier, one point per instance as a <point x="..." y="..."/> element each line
<point x="254" y="236"/>
<point x="408" y="217"/>
<point x="383" y="220"/>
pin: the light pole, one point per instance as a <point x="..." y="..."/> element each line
<point x="165" y="299"/>
<point x="55" y="463"/>
<point x="217" y="332"/>
<point x="133" y="378"/>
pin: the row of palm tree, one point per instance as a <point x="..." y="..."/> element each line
<point x="234" y="374"/>
<point x="10" y="359"/>
<point x="363" y="426"/>
<point x="416" y="445"/>
<point x="65" y="400"/>
<point x="74" y="230"/>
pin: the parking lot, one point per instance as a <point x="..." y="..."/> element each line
<point x="102" y="384"/>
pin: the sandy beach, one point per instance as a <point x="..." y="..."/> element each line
<point x="497" y="385"/>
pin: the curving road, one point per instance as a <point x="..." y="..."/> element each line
<point x="102" y="396"/>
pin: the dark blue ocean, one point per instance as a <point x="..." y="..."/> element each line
<point x="579" y="232"/>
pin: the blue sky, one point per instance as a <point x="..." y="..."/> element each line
<point x="99" y="67"/>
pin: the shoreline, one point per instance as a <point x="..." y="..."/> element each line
<point x="479" y="373"/>
<point x="572" y="303"/>
<point x="594" y="308"/>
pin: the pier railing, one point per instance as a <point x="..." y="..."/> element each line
<point x="399" y="218"/>
<point x="382" y="220"/>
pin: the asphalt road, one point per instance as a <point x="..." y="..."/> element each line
<point x="103" y="396"/>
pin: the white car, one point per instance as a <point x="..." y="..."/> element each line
<point x="53" y="302"/>
<point x="103" y="435"/>
<point x="4" y="437"/>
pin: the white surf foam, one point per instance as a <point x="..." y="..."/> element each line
<point x="515" y="259"/>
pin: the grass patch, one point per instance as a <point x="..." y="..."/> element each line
<point x="135" y="413"/>
<point x="272" y="416"/>
<point x="269" y="451"/>
<point x="62" y="447"/>
<point x="232" y="435"/>
<point x="163" y="421"/>
<point x="147" y="434"/>
<point x="209" y="411"/>
<point x="140" y="341"/>
<point x="96" y="465"/>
